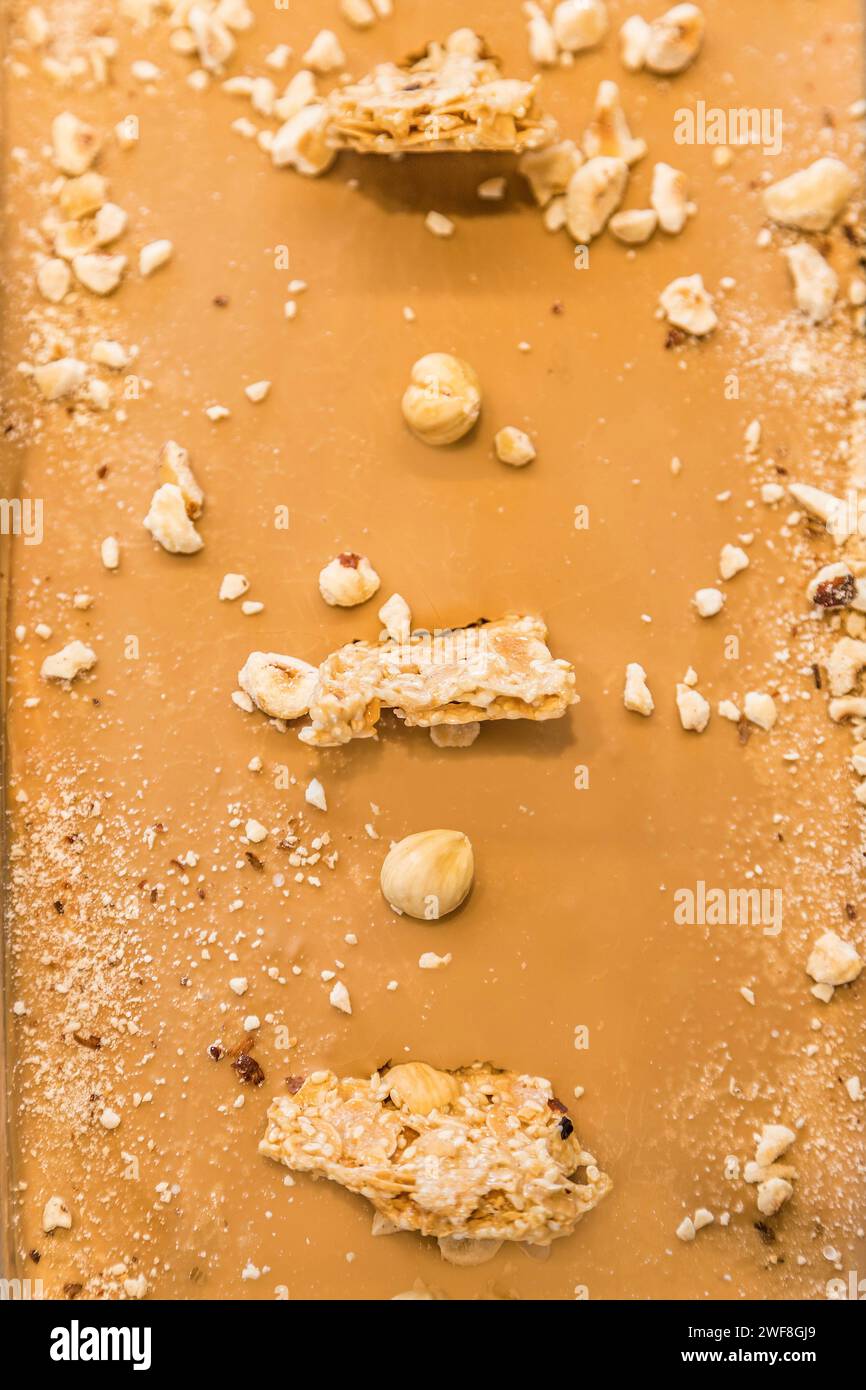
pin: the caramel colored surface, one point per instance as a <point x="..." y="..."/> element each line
<point x="570" y="924"/>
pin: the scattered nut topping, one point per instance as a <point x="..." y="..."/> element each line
<point x="686" y="304"/>
<point x="608" y="132"/>
<point x="636" y="695"/>
<point x="174" y="467"/>
<point x="233" y="586"/>
<point x="634" y="38"/>
<point x="429" y="874"/>
<point x="454" y="735"/>
<point x="709" y="602"/>
<point x="396" y="616"/>
<point x="154" y="255"/>
<point x="169" y="523"/>
<point x="439" y="224"/>
<point x="548" y="170"/>
<point x="579" y="24"/>
<point x="811" y="199"/>
<point x="694" y="710"/>
<point x="56" y="1216"/>
<point x="53" y="279"/>
<point x="99" y="273"/>
<point x="348" y="580"/>
<point x="668" y="198"/>
<point x="339" y="997"/>
<point x="833" y="961"/>
<point x="76" y="144"/>
<point x="772" y="1194"/>
<point x="834" y="586"/>
<point x="109" y="552"/>
<point x="324" y="53"/>
<point x="732" y="560"/>
<point x="315" y="795"/>
<point x="280" y="686"/>
<point x="443" y="399"/>
<point x="257" y="390"/>
<point x="634" y="226"/>
<point x="774" y="1141"/>
<point x="71" y="661"/>
<point x="760" y="708"/>
<point x="815" y="282"/>
<point x="421" y="1088"/>
<point x="594" y="192"/>
<point x="60" y="377"/>
<point x="83" y="195"/>
<point x="674" y="40"/>
<point x="514" y="446"/>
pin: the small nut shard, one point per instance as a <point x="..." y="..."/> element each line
<point x="634" y="38"/>
<point x="815" y="281"/>
<point x="60" y="378"/>
<point x="528" y="1179"/>
<point x="99" y="273"/>
<point x="812" y="198"/>
<point x="514" y="446"/>
<point x="579" y="24"/>
<point x="668" y="197"/>
<point x="324" y="54"/>
<point x="154" y="255"/>
<point x="53" y="279"/>
<point x="348" y="580"/>
<point x="833" y="961"/>
<point x="396" y="616"/>
<point x="76" y="144"/>
<point x="694" y="710"/>
<point x="549" y="170"/>
<point x="301" y="143"/>
<point x="429" y="874"/>
<point x="169" y="522"/>
<point x="634" y="226"/>
<point x="760" y="708"/>
<point x="280" y="686"/>
<point x="454" y="735"/>
<point x="443" y="399"/>
<point x="687" y="304"/>
<point x="608" y="132"/>
<point x="174" y="467"/>
<point x="594" y="192"/>
<point x="675" y="39"/>
<point x="71" y="661"/>
<point x="56" y="1216"/>
<point x="636" y="695"/>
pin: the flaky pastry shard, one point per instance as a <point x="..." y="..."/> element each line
<point x="452" y="97"/>
<point x="475" y="1154"/>
<point x="496" y="670"/>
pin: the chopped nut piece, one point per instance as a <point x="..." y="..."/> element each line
<point x="324" y="53"/>
<point x="76" y="144"/>
<point x="73" y="239"/>
<point x="637" y="696"/>
<point x="454" y="735"/>
<point x="549" y="170"/>
<point x="579" y="24"/>
<point x="732" y="561"/>
<point x="59" y="378"/>
<point x="233" y="586"/>
<point x="169" y="522"/>
<point x="687" y="305"/>
<point x="833" y="961"/>
<point x="728" y="710"/>
<point x="439" y="224"/>
<point x="71" y="661"/>
<point x="760" y="708"/>
<point x="634" y="226"/>
<point x="213" y="39"/>
<point x="775" y="1139"/>
<point x="608" y="133"/>
<point x="815" y="282"/>
<point x="709" y="602"/>
<point x="301" y="91"/>
<point x="109" y="224"/>
<point x="514" y="446"/>
<point x="823" y="505"/>
<point x="634" y="39"/>
<point x="542" y="40"/>
<point x="257" y="390"/>
<point x="315" y="795"/>
<point x="174" y="467"/>
<point x="443" y="399"/>
<point x="668" y="197"/>
<point x="528" y="1180"/>
<point x="397" y="618"/>
<point x="339" y="998"/>
<point x="347" y="580"/>
<point x="428" y="960"/>
<point x="301" y="142"/>
<point x="280" y="686"/>
<point x="81" y="196"/>
<point x="594" y="192"/>
<point x="845" y="663"/>
<point x="255" y="832"/>
<point x="421" y="1088"/>
<point x="834" y="586"/>
<point x="429" y="874"/>
<point x="675" y="39"/>
<point x="772" y="1195"/>
<point x="108" y="353"/>
<point x="52" y="279"/>
<point x="154" y="255"/>
<point x="99" y="273"/>
<point x="56" y="1216"/>
<point x="694" y="710"/>
<point x="812" y="198"/>
<point x="109" y="553"/>
<point x="493" y="190"/>
<point x="359" y="13"/>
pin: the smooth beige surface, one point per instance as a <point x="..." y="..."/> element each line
<point x="570" y="923"/>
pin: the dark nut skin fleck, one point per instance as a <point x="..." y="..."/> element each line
<point x="836" y="593"/>
<point x="248" y="1070"/>
<point x="294" y="1084"/>
<point x="349" y="560"/>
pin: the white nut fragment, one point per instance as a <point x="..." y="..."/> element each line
<point x="255" y="832"/>
<point x="549" y="170"/>
<point x="429" y="874"/>
<point x="811" y="199"/>
<point x="634" y="226"/>
<point x="280" y="686"/>
<point x="674" y="39"/>
<point x="815" y="281"/>
<point x="339" y="997"/>
<point x="314" y="795"/>
<point x="439" y="224"/>
<point x="688" y="305"/>
<point x="109" y="553"/>
<point x="83" y="195"/>
<point x="154" y="255"/>
<point x="594" y="192"/>
<point x="466" y="1252"/>
<point x="443" y="399"/>
<point x="109" y="353"/>
<point x="833" y="961"/>
<point x="514" y="446"/>
<point x="772" y="1195"/>
<point x="668" y="197"/>
<point x="347" y="580"/>
<point x="174" y="467"/>
<point x="455" y="735"/>
<point x="169" y="522"/>
<point x="324" y="53"/>
<point x="71" y="661"/>
<point x="257" y="391"/>
<point x="109" y="223"/>
<point x="99" y="273"/>
<point x="686" y="1230"/>
<point x="301" y="91"/>
<point x="634" y="37"/>
<point x="608" y="132"/>
<point x="233" y="586"/>
<point x="52" y="279"/>
<point x="56" y="1216"/>
<point x="708" y="602"/>
<point x="301" y="143"/>
<point x="694" y="710"/>
<point x="214" y="41"/>
<point x="421" y="1088"/>
<point x="359" y="13"/>
<point x="74" y="239"/>
<point x="823" y="505"/>
<point x="636" y="695"/>
<point x="732" y="560"/>
<point x="579" y="24"/>
<point x="774" y="1141"/>
<point x="76" y="144"/>
<point x="59" y="378"/>
<point x="728" y="710"/>
<point x="760" y="708"/>
<point x="396" y="616"/>
<point x="844" y="665"/>
<point x="543" y="48"/>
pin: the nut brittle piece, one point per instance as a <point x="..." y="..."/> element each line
<point x="452" y="97"/>
<point x="472" y="1154"/>
<point x="497" y="670"/>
